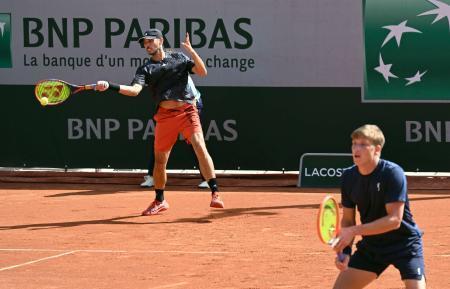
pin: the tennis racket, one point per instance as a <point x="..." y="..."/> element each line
<point x="328" y="223"/>
<point x="55" y="91"/>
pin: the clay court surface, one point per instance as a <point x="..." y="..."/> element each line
<point x="92" y="236"/>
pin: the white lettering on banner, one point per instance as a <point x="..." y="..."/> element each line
<point x="230" y="126"/>
<point x="110" y="126"/>
<point x="428" y="131"/>
<point x="214" y="131"/>
<point x="98" y="128"/>
<point x="102" y="129"/>
<point x="324" y="172"/>
<point x="74" y="128"/>
<point x="136" y="126"/>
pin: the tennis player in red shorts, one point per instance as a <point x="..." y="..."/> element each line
<point x="167" y="76"/>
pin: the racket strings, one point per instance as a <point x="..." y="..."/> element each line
<point x="55" y="92"/>
<point x="329" y="223"/>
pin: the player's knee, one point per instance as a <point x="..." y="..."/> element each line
<point x="161" y="158"/>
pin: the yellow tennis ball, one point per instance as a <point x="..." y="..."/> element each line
<point x="44" y="101"/>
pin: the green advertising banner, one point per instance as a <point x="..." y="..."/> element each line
<point x="323" y="170"/>
<point x="5" y="40"/>
<point x="246" y="128"/>
<point x="406" y="50"/>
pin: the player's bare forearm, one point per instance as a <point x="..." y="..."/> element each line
<point x="390" y="222"/>
<point x="382" y="225"/>
<point x="130" y="90"/>
<point x="348" y="221"/>
<point x="346" y="234"/>
<point x="127" y="90"/>
<point x="199" y="67"/>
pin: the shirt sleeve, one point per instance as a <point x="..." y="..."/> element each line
<point x="346" y="199"/>
<point x="139" y="77"/>
<point x="189" y="63"/>
<point x="396" y="186"/>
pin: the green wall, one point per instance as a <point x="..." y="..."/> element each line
<point x="274" y="127"/>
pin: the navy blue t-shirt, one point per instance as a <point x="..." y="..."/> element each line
<point x="168" y="79"/>
<point x="370" y="194"/>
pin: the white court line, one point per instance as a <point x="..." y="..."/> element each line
<point x="33" y="250"/>
<point x="35" y="261"/>
<point x="441" y="255"/>
<point x="59" y="250"/>
<point x="170" y="285"/>
<point x="120" y="251"/>
<point x="186" y="252"/>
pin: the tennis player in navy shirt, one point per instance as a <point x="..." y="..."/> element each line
<point x="377" y="188"/>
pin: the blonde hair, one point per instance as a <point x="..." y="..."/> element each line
<point x="371" y="132"/>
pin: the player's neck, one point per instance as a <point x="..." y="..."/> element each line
<point x="369" y="167"/>
<point x="158" y="56"/>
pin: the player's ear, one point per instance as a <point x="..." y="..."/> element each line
<point x="378" y="149"/>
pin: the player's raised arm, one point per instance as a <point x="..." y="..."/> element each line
<point x="199" y="67"/>
<point x="128" y="90"/>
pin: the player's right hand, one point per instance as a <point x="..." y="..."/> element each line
<point x="102" y="85"/>
<point x="342" y="265"/>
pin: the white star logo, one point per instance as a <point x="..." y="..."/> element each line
<point x="443" y="10"/>
<point x="385" y="70"/>
<point x="397" y="32"/>
<point x="415" y="78"/>
<point x="2" y="27"/>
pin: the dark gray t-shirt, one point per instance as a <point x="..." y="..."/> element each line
<point x="168" y="79"/>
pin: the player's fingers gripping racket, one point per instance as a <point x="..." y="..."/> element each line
<point x="55" y="91"/>
<point x="328" y="222"/>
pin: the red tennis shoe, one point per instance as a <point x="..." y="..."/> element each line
<point x="216" y="202"/>
<point x="155" y="207"/>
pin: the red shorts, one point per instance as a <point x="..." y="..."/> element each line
<point x="171" y="122"/>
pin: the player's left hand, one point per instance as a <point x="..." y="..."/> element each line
<point x="345" y="238"/>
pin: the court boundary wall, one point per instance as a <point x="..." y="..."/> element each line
<point x="416" y="181"/>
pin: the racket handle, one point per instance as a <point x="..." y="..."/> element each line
<point x="90" y="86"/>
<point x="341" y="256"/>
